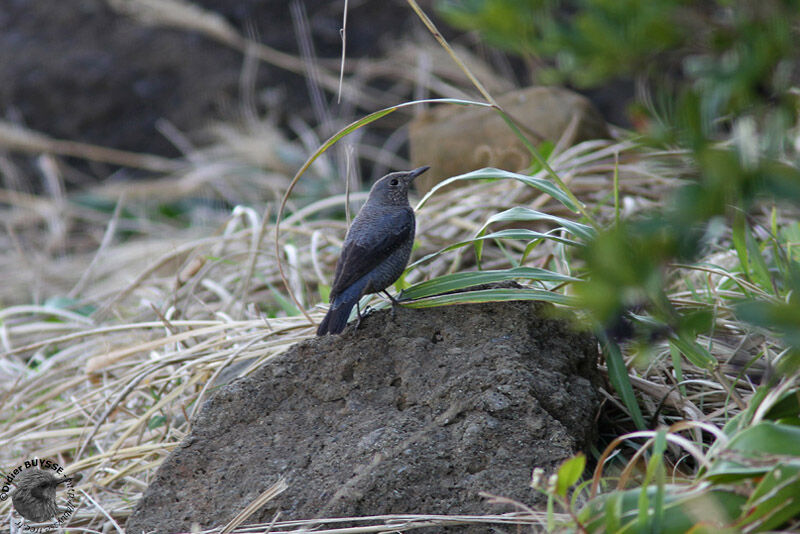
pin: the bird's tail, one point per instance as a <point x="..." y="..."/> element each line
<point x="338" y="314"/>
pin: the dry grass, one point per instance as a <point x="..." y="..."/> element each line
<point x="117" y="323"/>
<point x="174" y="313"/>
<point x="109" y="393"/>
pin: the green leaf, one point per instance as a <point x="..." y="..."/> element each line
<point x="613" y="512"/>
<point x="616" y="189"/>
<point x="490" y="173"/>
<point x="677" y="367"/>
<point x="542" y="161"/>
<point x="656" y="470"/>
<point x="643" y="504"/>
<point x="452" y="282"/>
<point x="156" y="421"/>
<point x="520" y="234"/>
<point x="490" y="295"/>
<point x="518" y="214"/>
<point x="790" y="234"/>
<point x="70" y="304"/>
<point x="740" y="243"/>
<point x="324" y="292"/>
<point x="681" y="505"/>
<point x="776" y="499"/>
<point x="618" y="375"/>
<point x="759" y="267"/>
<point x="286" y="305"/>
<point x="787" y="407"/>
<point x="569" y="473"/>
<point x="778" y="316"/>
<point x="353" y="126"/>
<point x="523" y="234"/>
<point x="695" y="353"/>
<point x="551" y="516"/>
<point x="754" y="450"/>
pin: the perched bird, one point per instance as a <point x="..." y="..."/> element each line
<point x="35" y="495"/>
<point x="376" y="248"/>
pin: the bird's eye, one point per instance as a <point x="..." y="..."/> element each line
<point x="394" y="181"/>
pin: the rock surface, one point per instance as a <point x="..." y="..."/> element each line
<point x="416" y="414"/>
<point x="455" y="139"/>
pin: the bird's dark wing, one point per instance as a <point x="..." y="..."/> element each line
<point x="378" y="238"/>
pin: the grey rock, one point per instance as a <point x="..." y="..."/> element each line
<point x="457" y="139"/>
<point x="416" y="414"/>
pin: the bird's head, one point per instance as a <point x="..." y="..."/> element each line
<point x="38" y="483"/>
<point x="393" y="188"/>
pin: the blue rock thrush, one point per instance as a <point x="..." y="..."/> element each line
<point x="35" y="496"/>
<point x="376" y="248"/>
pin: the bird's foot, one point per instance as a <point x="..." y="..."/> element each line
<point x="360" y="315"/>
<point x="395" y="303"/>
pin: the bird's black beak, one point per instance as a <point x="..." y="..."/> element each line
<point x="416" y="172"/>
<point x="74" y="478"/>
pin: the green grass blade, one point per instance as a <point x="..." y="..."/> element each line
<point x="372" y="117"/>
<point x="543" y="162"/>
<point x="285" y="304"/>
<point x="694" y="352"/>
<point x="490" y="173"/>
<point x="737" y="236"/>
<point x="616" y="189"/>
<point x="518" y="214"/>
<point x="759" y="267"/>
<point x="643" y="506"/>
<point x="655" y="469"/>
<point x="491" y="295"/>
<point x="776" y="499"/>
<point x="613" y="512"/>
<point x="675" y="355"/>
<point x="520" y="234"/>
<point x="452" y="282"/>
<point x="618" y="375"/>
<point x="753" y="451"/>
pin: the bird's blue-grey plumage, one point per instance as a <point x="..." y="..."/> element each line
<point x="376" y="248"/>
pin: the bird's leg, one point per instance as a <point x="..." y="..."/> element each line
<point x="358" y="311"/>
<point x="394" y="302"/>
<point x="368" y="310"/>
